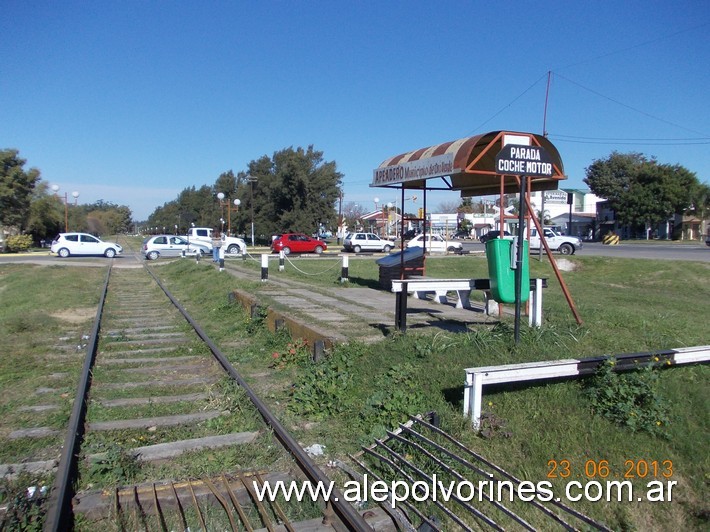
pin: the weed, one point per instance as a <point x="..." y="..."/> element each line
<point x="117" y="465"/>
<point x="24" y="323"/>
<point x="256" y="322"/>
<point x="297" y="353"/>
<point x="324" y="388"/>
<point x="629" y="399"/>
<point x="24" y="507"/>
<point x="398" y="393"/>
<point x="423" y="348"/>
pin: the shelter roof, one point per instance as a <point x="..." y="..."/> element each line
<point x="466" y="165"/>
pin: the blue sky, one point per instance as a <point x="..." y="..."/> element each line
<point x="131" y="102"/>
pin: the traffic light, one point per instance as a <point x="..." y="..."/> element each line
<point x="420" y="213"/>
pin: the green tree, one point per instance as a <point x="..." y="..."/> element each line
<point x="192" y="206"/>
<point x="639" y="189"/>
<point x="700" y="206"/>
<point x="543" y="216"/>
<point x="16" y="187"/>
<point x="109" y="221"/>
<point x="466" y="205"/>
<point x="46" y="217"/>
<point x="295" y="190"/>
<point x="227" y="184"/>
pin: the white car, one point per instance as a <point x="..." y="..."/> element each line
<point x="566" y="245"/>
<point x="171" y="246"/>
<point x="358" y="242"/>
<point x="66" y="244"/>
<point x="435" y="244"/>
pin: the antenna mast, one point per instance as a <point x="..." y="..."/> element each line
<point x="547" y="95"/>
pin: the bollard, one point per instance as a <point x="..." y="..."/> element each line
<point x="264" y="267"/>
<point x="244" y="253"/>
<point x="197" y="256"/>
<point x="610" y="239"/>
<point x="282" y="257"/>
<point x="344" y="271"/>
<point x="221" y="259"/>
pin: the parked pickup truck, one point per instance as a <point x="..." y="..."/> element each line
<point x="203" y="235"/>
<point x="566" y="245"/>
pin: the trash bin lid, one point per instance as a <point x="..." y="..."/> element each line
<point x="394" y="259"/>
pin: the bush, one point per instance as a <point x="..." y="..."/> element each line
<point x="18" y="243"/>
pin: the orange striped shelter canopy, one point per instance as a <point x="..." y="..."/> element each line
<point x="466" y="165"/>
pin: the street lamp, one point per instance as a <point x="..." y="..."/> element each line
<point x="75" y="195"/>
<point x="220" y="197"/>
<point x="389" y="209"/>
<point x="377" y="200"/>
<point x="251" y="180"/>
<point x="404" y="208"/>
<point x="237" y="203"/>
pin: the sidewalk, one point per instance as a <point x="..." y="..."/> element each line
<point x="352" y="313"/>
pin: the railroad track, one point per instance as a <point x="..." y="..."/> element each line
<point x="166" y="435"/>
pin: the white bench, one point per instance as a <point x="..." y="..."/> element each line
<point x="555" y="369"/>
<point x="421" y="287"/>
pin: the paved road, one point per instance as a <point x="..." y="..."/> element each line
<point x="634" y="249"/>
<point x="639" y="250"/>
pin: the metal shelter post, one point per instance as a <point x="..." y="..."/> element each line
<point x="519" y="255"/>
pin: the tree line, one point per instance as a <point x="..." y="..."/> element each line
<point x="296" y="190"/>
<point x="643" y="192"/>
<point x="28" y="206"/>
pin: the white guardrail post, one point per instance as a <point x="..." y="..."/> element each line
<point x="344" y="270"/>
<point x="264" y="267"/>
<point x="535" y="308"/>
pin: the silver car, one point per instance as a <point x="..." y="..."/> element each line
<point x="358" y="242"/>
<point x="171" y="246"/>
<point x="435" y="244"/>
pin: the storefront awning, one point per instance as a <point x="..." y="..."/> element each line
<point x="466" y="165"/>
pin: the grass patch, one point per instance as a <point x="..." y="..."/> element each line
<point x="626" y="305"/>
<point x="45" y="312"/>
<point x="352" y="396"/>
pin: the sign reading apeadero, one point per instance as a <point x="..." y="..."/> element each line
<point x="515" y="159"/>
<point x="437" y="166"/>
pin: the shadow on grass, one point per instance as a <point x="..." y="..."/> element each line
<point x="366" y="283"/>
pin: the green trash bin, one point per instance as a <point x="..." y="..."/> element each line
<point x="498" y="253"/>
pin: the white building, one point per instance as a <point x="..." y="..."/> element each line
<point x="556" y="209"/>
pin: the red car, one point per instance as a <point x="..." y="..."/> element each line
<point x="297" y="243"/>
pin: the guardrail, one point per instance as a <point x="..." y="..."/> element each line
<point x="476" y="378"/>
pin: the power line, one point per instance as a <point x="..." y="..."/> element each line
<point x="633" y="46"/>
<point x="506" y="106"/>
<point x="621" y="140"/>
<point x="649" y="115"/>
<point x="646" y="142"/>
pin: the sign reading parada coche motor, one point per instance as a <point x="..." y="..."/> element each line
<point x="516" y="159"/>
